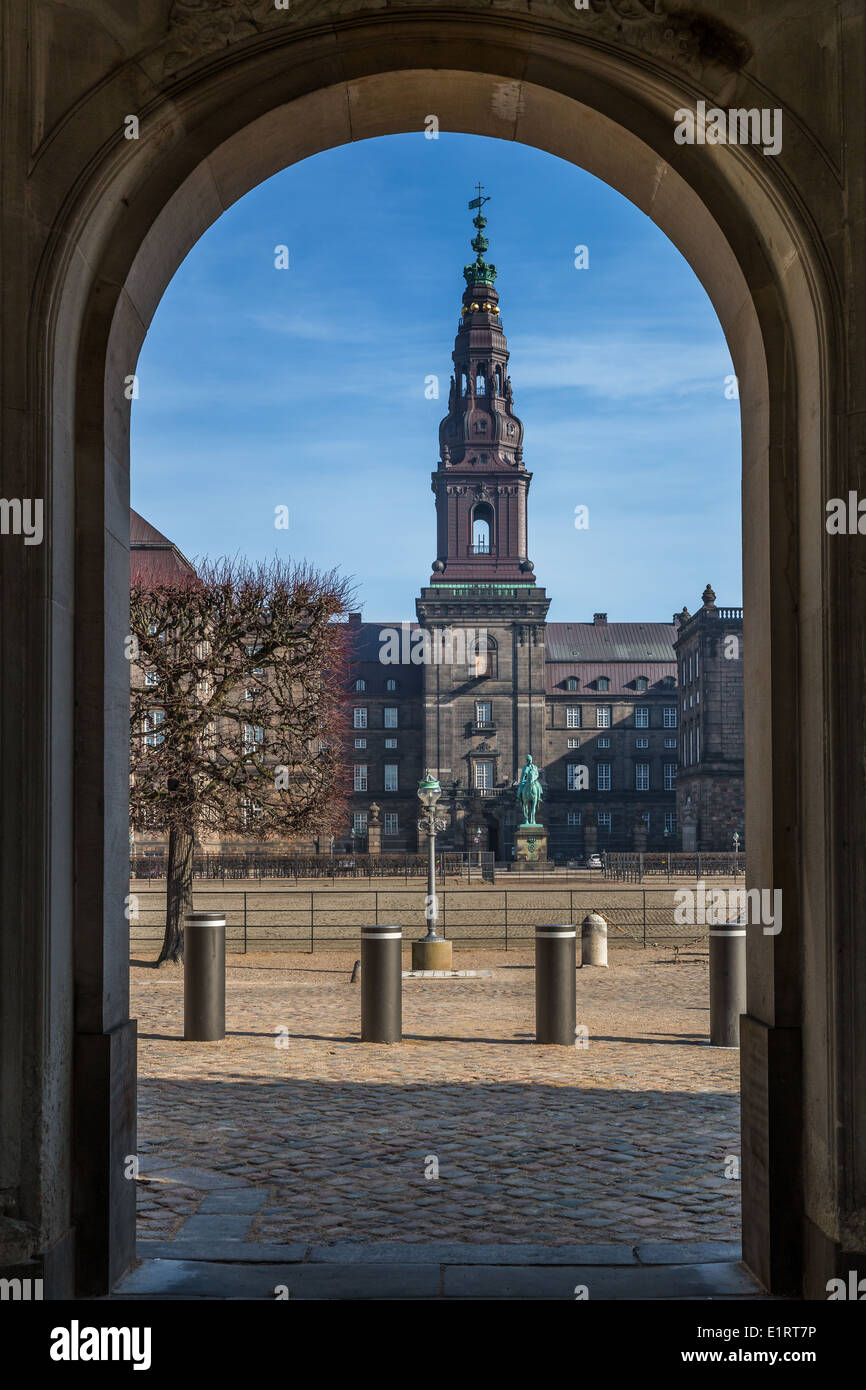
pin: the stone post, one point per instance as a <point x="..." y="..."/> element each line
<point x="374" y="830"/>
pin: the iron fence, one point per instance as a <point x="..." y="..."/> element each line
<point x="635" y="867"/>
<point x="294" y="919"/>
<point x="339" y="865"/>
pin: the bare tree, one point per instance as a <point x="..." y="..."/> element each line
<point x="235" y="709"/>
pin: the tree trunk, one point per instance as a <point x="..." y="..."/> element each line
<point x="178" y="894"/>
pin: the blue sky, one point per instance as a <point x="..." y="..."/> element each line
<point x="305" y="387"/>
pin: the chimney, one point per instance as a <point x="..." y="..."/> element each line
<point x="599" y="619"/>
<point x="354" y="619"/>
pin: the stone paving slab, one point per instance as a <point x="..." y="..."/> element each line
<point x="184" y="1279"/>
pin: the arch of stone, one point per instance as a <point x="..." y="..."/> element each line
<point x="94" y="225"/>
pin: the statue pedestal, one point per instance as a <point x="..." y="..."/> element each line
<point x="530" y="846"/>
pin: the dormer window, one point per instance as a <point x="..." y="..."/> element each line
<point x="572" y="683"/>
<point x="641" y="683"/>
<point x="603" y="683"/>
<point x="360" y="685"/>
<point x="390" y="684"/>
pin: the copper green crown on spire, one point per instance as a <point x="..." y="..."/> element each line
<point x="479" y="271"/>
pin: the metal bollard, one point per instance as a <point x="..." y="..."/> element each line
<point x="555" y="984"/>
<point x="204" y="977"/>
<point x="382" y="984"/>
<point x="593" y="940"/>
<point x="727" y="983"/>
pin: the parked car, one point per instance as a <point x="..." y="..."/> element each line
<point x="594" y="861"/>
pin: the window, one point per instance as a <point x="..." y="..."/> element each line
<point x="572" y="683"/>
<point x="641" y="777"/>
<point x="684" y="670"/>
<point x="641" y="683"/>
<point x="602" y="716"/>
<point x="360" y="714"/>
<point x="483" y="712"/>
<point x="251" y="810"/>
<point x="690" y="670"/>
<point x="669" y="716"/>
<point x="254" y="737"/>
<point x="603" y="742"/>
<point x="602" y="777"/>
<point x="604" y="821"/>
<point x="249" y="693"/>
<point x="574" y="743"/>
<point x="484" y="774"/>
<point x="480" y="381"/>
<point x="359" y="822"/>
<point x="670" y="822"/>
<point x="481" y="525"/>
<point x="641" y="743"/>
<point x="390" y="743"/>
<point x="645" y="817"/>
<point x="152" y="720"/>
<point x="209" y="736"/>
<point x="641" y="717"/>
<point x="390" y="683"/>
<point x="392" y="823"/>
<point x="203" y="688"/>
<point x="691" y="746"/>
<point x="575" y="817"/>
<point x="391" y="777"/>
<point x="360" y="771"/>
<point x="360" y="685"/>
<point x="202" y="651"/>
<point x="572" y="717"/>
<point x="670" y="777"/>
<point x="670" y="743"/>
<point x="698" y="744"/>
<point x="390" y="717"/>
<point x="697" y="664"/>
<point x="603" y="683"/>
<point x="151" y="678"/>
<point x="254" y="651"/>
<point x="577" y="777"/>
<point x="360" y="743"/>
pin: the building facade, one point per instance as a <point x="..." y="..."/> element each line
<point x="483" y="679"/>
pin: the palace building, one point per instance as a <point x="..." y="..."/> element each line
<point x="637" y="728"/>
<point x="597" y="704"/>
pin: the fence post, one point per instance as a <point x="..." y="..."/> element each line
<point x="506" y="918"/>
<point x="245" y="921"/>
<point x="377" y="907"/>
<point x="699" y="866"/>
<point x="312" y="930"/>
<point x="643" y="892"/>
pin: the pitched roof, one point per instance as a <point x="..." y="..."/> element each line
<point x="603" y="642"/>
<point x="153" y="558"/>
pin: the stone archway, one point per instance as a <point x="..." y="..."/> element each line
<point x="110" y="220"/>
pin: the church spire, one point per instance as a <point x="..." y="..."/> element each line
<point x="481" y="482"/>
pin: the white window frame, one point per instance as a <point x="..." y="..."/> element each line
<point x="602" y="777"/>
<point x="360" y="743"/>
<point x="359" y="776"/>
<point x="390" y="717"/>
<point x="391" y="824"/>
<point x="480" y="779"/>
<point x="641" y="743"/>
<point x="392" y="777"/>
<point x="603" y="716"/>
<point x="573" y="717"/>
<point x="642" y="777"/>
<point x="641" y="717"/>
<point x="359" y="716"/>
<point x="670" y="777"/>
<point x="669" y="717"/>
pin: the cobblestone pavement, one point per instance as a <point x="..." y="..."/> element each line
<point x="293" y="1130"/>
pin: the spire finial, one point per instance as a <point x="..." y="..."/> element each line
<point x="479" y="271"/>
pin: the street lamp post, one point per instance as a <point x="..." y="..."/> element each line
<point x="432" y="952"/>
<point x="736" y="838"/>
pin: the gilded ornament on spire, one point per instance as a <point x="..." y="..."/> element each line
<point x="479" y="271"/>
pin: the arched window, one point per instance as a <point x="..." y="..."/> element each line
<point x="497" y="381"/>
<point x="482" y="528"/>
<point x="482" y="657"/>
<point x="463" y="384"/>
<point x="480" y="380"/>
<point x="572" y="683"/>
<point x="360" y="685"/>
<point x="390" y="683"/>
<point x="641" y="683"/>
<point x="603" y="683"/>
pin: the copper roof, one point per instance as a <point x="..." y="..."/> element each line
<point x="640" y="642"/>
<point x="153" y="558"/>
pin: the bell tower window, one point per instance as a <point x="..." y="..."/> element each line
<point x="482" y="528"/>
<point x="480" y="382"/>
